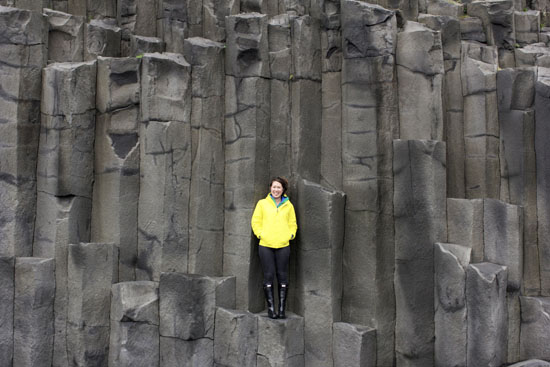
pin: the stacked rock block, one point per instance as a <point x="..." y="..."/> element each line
<point x="378" y="113"/>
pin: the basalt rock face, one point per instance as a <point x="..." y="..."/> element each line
<point x="136" y="137"/>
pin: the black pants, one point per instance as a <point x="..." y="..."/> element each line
<point x="275" y="261"/>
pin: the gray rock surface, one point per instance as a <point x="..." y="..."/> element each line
<point x="319" y="268"/>
<point x="235" y="338"/>
<point x="213" y="17"/>
<point x="206" y="210"/>
<point x="487" y="314"/>
<point x="7" y="293"/>
<point x="536" y="54"/>
<point x="527" y="27"/>
<point x="136" y="17"/>
<point x="135" y="302"/>
<point x="471" y="29"/>
<point x="92" y="269"/>
<point x="450" y="320"/>
<point x="33" y="311"/>
<point x="498" y="21"/>
<point x="419" y="209"/>
<point x="247" y="52"/>
<point x="534" y="327"/>
<point x="116" y="185"/>
<point x="452" y="99"/>
<point x="173" y="24"/>
<point x="531" y="363"/>
<point x="23" y="54"/>
<point x="176" y="352"/>
<point x="369" y="124"/>
<point x="65" y="37"/>
<point x="165" y="165"/>
<point x="192" y="317"/>
<point x="353" y="345"/>
<point x="247" y="111"/>
<point x="542" y="151"/>
<point x="134" y="344"/>
<point x="102" y="38"/>
<point x="481" y="132"/>
<point x="59" y="222"/>
<point x="420" y="70"/>
<point x="65" y="158"/>
<point x="465" y="225"/>
<point x="140" y="45"/>
<point x="280" y="342"/>
<point x="515" y="89"/>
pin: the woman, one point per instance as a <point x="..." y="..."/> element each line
<point x="274" y="223"/>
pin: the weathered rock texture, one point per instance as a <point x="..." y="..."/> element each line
<point x="369" y="124"/>
<point x="534" y="323"/>
<point x="7" y="293"/>
<point x="280" y="342"/>
<point x="319" y="268"/>
<point x="116" y="185"/>
<point x="33" y="311"/>
<point x="419" y="209"/>
<point x="65" y="37"/>
<point x="353" y="345"/>
<point x="23" y="53"/>
<point x="165" y="165"/>
<point x="92" y="269"/>
<point x="235" y="338"/>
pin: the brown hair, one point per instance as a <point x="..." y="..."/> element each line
<point x="283" y="181"/>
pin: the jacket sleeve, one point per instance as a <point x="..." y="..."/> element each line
<point x="292" y="226"/>
<point x="257" y="220"/>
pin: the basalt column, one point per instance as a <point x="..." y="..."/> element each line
<point x="369" y="124"/>
<point x="165" y="165"/>
<point x="516" y="92"/>
<point x="65" y="176"/>
<point x="116" y="185"/>
<point x="542" y="149"/>
<point x="420" y="208"/>
<point x="207" y="157"/>
<point x="22" y="55"/>
<point x="247" y="116"/>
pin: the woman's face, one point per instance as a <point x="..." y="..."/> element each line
<point x="276" y="189"/>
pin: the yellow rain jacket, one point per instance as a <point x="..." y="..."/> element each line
<point x="274" y="225"/>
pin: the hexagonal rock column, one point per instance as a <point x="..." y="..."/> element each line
<point x="419" y="207"/>
<point x="33" y="312"/>
<point x="487" y="314"/>
<point x="207" y="158"/>
<point x="353" y="345"/>
<point x="280" y="61"/>
<point x="369" y="124"/>
<point x="453" y="102"/>
<point x="306" y="99"/>
<point x="331" y="91"/>
<point x="165" y="165"/>
<point x="465" y="225"/>
<point x="450" y="264"/>
<point x="535" y="321"/>
<point x="420" y="70"/>
<point x="66" y="36"/>
<point x="140" y="45"/>
<point x="134" y="339"/>
<point x="537" y="54"/>
<point x="542" y="150"/>
<point x="92" y="270"/>
<point x="102" y="38"/>
<point x="178" y="20"/>
<point x="136" y="17"/>
<point x="22" y="56"/>
<point x="187" y="323"/>
<point x="7" y="292"/>
<point x="319" y="267"/>
<point x="481" y="132"/>
<point x="235" y="338"/>
<point x="33" y="5"/>
<point x="527" y="27"/>
<point x="498" y="21"/>
<point x="116" y="185"/>
<point x="247" y="115"/>
<point x="213" y="17"/>
<point x="280" y="342"/>
<point x="518" y="184"/>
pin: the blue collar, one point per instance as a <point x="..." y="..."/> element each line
<point x="284" y="199"/>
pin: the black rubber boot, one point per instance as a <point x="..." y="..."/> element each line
<point x="283" y="290"/>
<point x="268" y="291"/>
